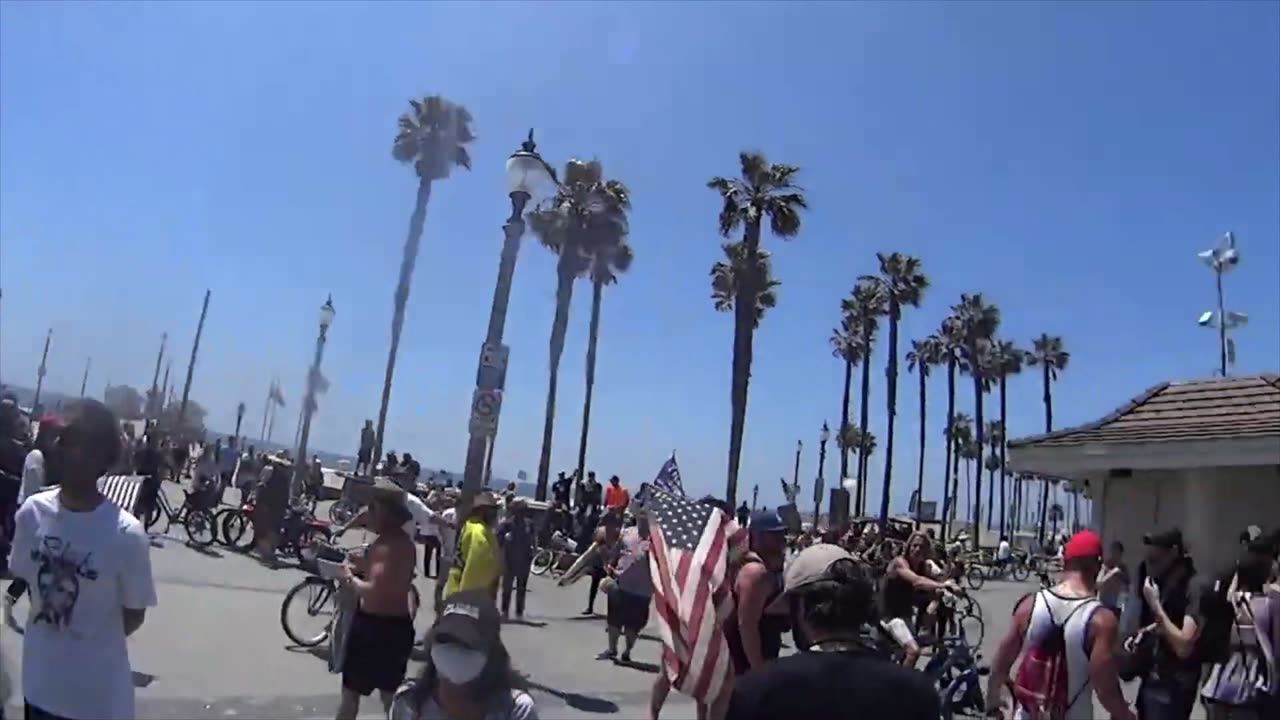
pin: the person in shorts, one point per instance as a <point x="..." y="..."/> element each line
<point x="381" y="636"/>
<point x="632" y="590"/>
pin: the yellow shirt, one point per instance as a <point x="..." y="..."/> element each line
<point x="478" y="566"/>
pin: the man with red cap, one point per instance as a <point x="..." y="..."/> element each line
<point x="1062" y="627"/>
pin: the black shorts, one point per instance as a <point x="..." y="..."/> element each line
<point x="363" y="457"/>
<point x="378" y="650"/>
<point x="627" y="611"/>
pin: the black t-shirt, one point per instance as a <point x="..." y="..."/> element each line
<point x="833" y="686"/>
<point x="1180" y="595"/>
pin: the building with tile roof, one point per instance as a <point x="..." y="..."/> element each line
<point x="1202" y="455"/>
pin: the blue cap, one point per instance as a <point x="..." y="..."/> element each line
<point x="767" y="521"/>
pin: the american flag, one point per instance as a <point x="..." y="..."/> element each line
<point x="669" y="477"/>
<point x="690" y="545"/>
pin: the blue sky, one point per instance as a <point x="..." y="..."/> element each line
<point x="1068" y="160"/>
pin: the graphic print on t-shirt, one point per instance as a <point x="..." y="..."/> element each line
<point x="59" y="569"/>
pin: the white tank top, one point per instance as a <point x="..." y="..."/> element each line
<point x="1050" y="610"/>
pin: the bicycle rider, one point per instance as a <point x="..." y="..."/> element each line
<point x="910" y="585"/>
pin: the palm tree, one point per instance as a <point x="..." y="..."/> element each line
<point x="923" y="355"/>
<point x="764" y="191"/>
<point x="949" y="335"/>
<point x="959" y="434"/>
<point x="432" y="137"/>
<point x="978" y="323"/>
<point x="586" y="213"/>
<point x="969" y="452"/>
<point x="1006" y="360"/>
<point x="902" y="283"/>
<point x="866" y="304"/>
<point x="846" y="344"/>
<point x="1050" y="355"/>
<point x="995" y="439"/>
<point x="608" y="261"/>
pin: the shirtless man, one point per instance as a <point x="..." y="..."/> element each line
<point x="906" y="581"/>
<point x="381" y="635"/>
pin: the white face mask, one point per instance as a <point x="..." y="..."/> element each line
<point x="457" y="664"/>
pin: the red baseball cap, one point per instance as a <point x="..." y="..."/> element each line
<point x="1084" y="544"/>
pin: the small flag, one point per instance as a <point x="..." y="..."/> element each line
<point x="690" y="546"/>
<point x="317" y="383"/>
<point x="668" y="477"/>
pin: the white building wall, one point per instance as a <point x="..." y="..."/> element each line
<point x="1211" y="505"/>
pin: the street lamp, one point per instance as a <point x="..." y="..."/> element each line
<point x="315" y="383"/>
<point x="795" y="476"/>
<point x="1222" y="260"/>
<point x="527" y="174"/>
<point x="818" y="486"/>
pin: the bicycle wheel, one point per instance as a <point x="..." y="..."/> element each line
<point x="314" y="603"/>
<point x="308" y="539"/>
<point x="975" y="577"/>
<point x="1020" y="571"/>
<point x="342" y="511"/>
<point x="237" y="530"/>
<point x="972" y="629"/>
<point x="201" y="528"/>
<point x="542" y="561"/>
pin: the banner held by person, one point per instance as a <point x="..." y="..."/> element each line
<point x="690" y="548"/>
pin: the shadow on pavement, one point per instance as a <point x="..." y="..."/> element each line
<point x="525" y="623"/>
<point x="583" y="703"/>
<point x="637" y="665"/>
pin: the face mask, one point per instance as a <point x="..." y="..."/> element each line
<point x="457" y="664"/>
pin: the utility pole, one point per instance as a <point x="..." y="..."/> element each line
<point x="155" y="401"/>
<point x="755" y="496"/>
<point x="84" y="382"/>
<point x="191" y="366"/>
<point x="40" y="371"/>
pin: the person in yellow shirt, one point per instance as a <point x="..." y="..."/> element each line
<point x="477" y="564"/>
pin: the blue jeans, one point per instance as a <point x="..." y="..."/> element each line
<point x="1160" y="700"/>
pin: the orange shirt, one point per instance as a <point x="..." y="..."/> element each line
<point x="616" y="498"/>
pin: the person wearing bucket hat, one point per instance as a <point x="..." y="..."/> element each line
<point x="380" y="639"/>
<point x="468" y="672"/>
<point x="477" y="563"/>
<point x="837" y="676"/>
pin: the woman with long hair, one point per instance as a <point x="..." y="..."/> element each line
<point x="468" y="672"/>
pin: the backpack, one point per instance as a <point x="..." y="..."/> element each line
<point x="1041" y="687"/>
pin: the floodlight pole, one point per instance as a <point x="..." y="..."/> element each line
<point x="1222" y="325"/>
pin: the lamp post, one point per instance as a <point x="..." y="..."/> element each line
<point x="300" y="466"/>
<point x="755" y="496"/>
<point x="191" y="366"/>
<point x="1223" y="259"/>
<point x="795" y="475"/>
<point x="527" y="172"/>
<point x="818" y="486"/>
<point x="155" y="402"/>
<point x="84" y="381"/>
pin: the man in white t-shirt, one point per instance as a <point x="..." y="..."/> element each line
<point x="88" y="564"/>
<point x="1004" y="552"/>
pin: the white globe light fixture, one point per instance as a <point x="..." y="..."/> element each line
<point x="327" y="313"/>
<point x="527" y="172"/>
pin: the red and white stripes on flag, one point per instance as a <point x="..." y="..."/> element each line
<point x="690" y="546"/>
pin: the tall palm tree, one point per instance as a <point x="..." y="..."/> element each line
<point x="765" y="191"/>
<point x="959" y="434"/>
<point x="846" y="344"/>
<point x="979" y="322"/>
<point x="431" y="137"/>
<point x="924" y="354"/>
<point x="949" y="334"/>
<point x="995" y="439"/>
<point x="866" y="304"/>
<point x="586" y="212"/>
<point x="1048" y="353"/>
<point x="969" y="452"/>
<point x="608" y="260"/>
<point x="1006" y="360"/>
<point x="902" y="283"/>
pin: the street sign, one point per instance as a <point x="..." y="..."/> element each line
<point x="486" y="405"/>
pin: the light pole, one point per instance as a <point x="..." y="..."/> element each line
<point x="239" y="419"/>
<point x="300" y="465"/>
<point x="1223" y="259"/>
<point x="526" y="173"/>
<point x="84" y="381"/>
<point x="40" y="373"/>
<point x="155" y="402"/>
<point x="755" y="496"/>
<point x="191" y="366"/>
<point x="818" y="486"/>
<point x="795" y="475"/>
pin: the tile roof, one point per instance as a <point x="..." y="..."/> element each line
<point x="1220" y="408"/>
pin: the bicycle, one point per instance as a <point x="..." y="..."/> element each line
<point x="552" y="558"/>
<point x="321" y="592"/>
<point x="193" y="515"/>
<point x="955" y="672"/>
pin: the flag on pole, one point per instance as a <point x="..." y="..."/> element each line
<point x="668" y="477"/>
<point x="275" y="394"/>
<point x="316" y="383"/>
<point x="690" y="547"/>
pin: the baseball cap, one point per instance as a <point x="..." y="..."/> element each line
<point x="813" y="565"/>
<point x="468" y="618"/>
<point x="1083" y="545"/>
<point x="1167" y="539"/>
<point x="767" y="521"/>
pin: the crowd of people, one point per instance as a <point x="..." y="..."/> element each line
<point x="1188" y="636"/>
